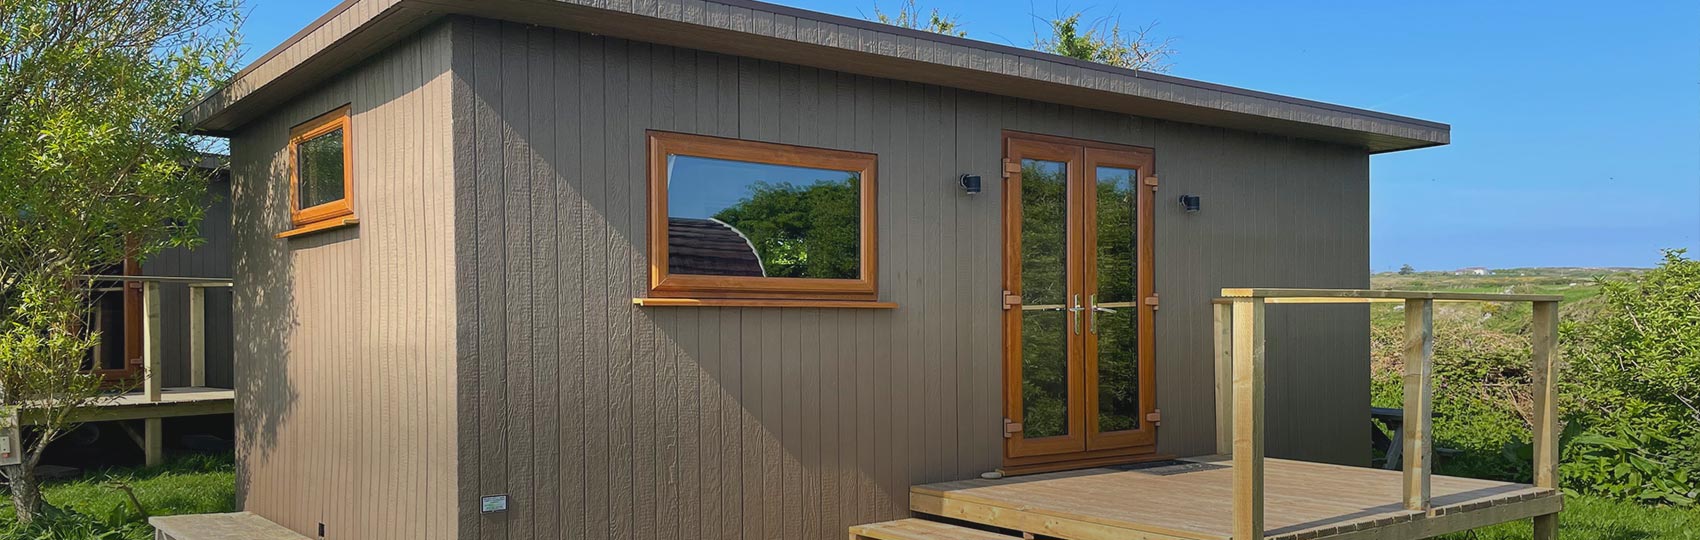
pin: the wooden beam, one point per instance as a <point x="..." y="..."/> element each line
<point x="1248" y="419"/>
<point x="1224" y="336"/>
<point x="1323" y="294"/>
<point x="1545" y="341"/>
<point x="1546" y="428"/>
<point x="197" y="336"/>
<point x="152" y="342"/>
<point x="153" y="433"/>
<point x="1417" y="455"/>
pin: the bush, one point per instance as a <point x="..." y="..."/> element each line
<point x="1630" y="387"/>
<point x="1634" y="385"/>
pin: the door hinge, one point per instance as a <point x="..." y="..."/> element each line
<point x="1151" y="181"/>
<point x="1152" y="301"/>
<point x="1010" y="168"/>
<point x="1010" y="428"/>
<point x="1155" y="417"/>
<point x="1010" y="300"/>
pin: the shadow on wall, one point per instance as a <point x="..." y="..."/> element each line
<point x="263" y="299"/>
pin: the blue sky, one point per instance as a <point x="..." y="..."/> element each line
<point x="1575" y="125"/>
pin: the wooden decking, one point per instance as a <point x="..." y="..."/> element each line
<point x="173" y="402"/>
<point x="1193" y="499"/>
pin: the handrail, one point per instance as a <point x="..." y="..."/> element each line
<point x="186" y="280"/>
<point x="152" y="337"/>
<point x="1240" y="350"/>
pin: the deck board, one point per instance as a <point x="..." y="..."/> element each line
<point x="173" y="402"/>
<point x="1194" y="501"/>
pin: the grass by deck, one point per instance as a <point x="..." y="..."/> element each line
<point x="93" y="509"/>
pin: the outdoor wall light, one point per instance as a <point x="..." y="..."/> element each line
<point x="1190" y="203"/>
<point x="970" y="183"/>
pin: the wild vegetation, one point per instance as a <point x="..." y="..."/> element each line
<point x="1630" y="386"/>
<point x="93" y="172"/>
<point x="1099" y="40"/>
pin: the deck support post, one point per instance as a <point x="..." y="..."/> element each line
<point x="153" y="441"/>
<point x="1224" y="336"/>
<point x="197" y="336"/>
<point x="1417" y="454"/>
<point x="152" y="341"/>
<point x="1545" y="392"/>
<point x="1248" y="356"/>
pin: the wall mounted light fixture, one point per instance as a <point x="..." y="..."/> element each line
<point x="970" y="183"/>
<point x="1190" y="203"/>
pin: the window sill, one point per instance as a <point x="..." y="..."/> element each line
<point x="734" y="302"/>
<point x="320" y="226"/>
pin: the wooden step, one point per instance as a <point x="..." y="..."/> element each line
<point x="920" y="529"/>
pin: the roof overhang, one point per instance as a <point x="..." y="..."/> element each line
<point x="358" y="28"/>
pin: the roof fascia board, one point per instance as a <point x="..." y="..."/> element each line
<point x="790" y="35"/>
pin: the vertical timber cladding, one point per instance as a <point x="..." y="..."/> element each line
<point x="345" y="338"/>
<point x="605" y="420"/>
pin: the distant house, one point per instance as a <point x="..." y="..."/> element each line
<point x="1471" y="271"/>
<point x="477" y="295"/>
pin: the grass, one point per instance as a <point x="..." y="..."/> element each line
<point x="1588" y="518"/>
<point x="91" y="507"/>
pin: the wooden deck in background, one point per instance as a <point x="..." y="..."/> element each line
<point x="1194" y="500"/>
<point x="173" y="402"/>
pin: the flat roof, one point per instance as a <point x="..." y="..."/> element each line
<point x="356" y="29"/>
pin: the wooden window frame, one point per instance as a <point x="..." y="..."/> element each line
<point x="331" y="214"/>
<point x="663" y="284"/>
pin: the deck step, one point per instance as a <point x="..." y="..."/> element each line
<point x="233" y="526"/>
<point x="920" y="529"/>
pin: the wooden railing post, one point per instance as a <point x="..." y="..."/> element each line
<point x="1224" y="336"/>
<point x="1248" y="418"/>
<point x="1546" y="429"/>
<point x="197" y="335"/>
<point x="1417" y="454"/>
<point x="152" y="341"/>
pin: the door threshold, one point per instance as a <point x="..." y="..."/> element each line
<point x="1086" y="463"/>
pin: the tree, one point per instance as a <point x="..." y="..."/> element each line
<point x="93" y="171"/>
<point x="1104" y="42"/>
<point x="1406" y="270"/>
<point x="811" y="231"/>
<point x="909" y="16"/>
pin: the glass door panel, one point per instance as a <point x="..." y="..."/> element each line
<point x="1047" y="376"/>
<point x="1117" y="342"/>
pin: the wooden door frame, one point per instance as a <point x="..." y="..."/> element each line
<point x="1141" y="161"/>
<point x="1015" y="149"/>
<point x="1077" y="449"/>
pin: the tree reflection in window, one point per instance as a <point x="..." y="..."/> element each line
<point x="800" y="222"/>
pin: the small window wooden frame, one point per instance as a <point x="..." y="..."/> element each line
<point x="663" y="284"/>
<point x="332" y="214"/>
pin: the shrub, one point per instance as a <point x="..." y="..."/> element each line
<point x="1634" y="383"/>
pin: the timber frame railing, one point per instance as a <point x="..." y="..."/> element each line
<point x="152" y="325"/>
<point x="1239" y="336"/>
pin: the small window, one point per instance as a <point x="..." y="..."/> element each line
<point x="321" y="184"/>
<point x="743" y="219"/>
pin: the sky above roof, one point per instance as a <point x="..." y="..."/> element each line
<point x="1575" y="129"/>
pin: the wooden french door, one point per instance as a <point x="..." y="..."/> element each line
<point x="1078" y="327"/>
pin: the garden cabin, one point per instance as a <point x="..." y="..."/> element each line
<point x="727" y="269"/>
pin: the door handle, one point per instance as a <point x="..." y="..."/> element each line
<point x="1096" y="309"/>
<point x="1076" y="312"/>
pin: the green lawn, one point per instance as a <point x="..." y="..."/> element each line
<point x="1587" y="518"/>
<point x="93" y="508"/>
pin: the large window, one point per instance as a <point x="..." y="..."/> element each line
<point x="743" y="219"/>
<point x="321" y="187"/>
